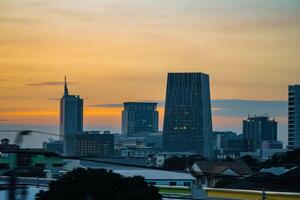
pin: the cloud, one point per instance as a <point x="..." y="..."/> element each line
<point x="4" y="121"/>
<point x="238" y="108"/>
<point x="50" y="83"/>
<point x="232" y="107"/>
<point x="118" y="105"/>
<point x="109" y="105"/>
<point x="54" y="99"/>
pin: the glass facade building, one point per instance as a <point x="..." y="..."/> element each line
<point x="256" y="130"/>
<point x="187" y="120"/>
<point x="294" y="117"/>
<point x="71" y="117"/>
<point x="139" y="118"/>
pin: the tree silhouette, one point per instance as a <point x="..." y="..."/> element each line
<point x="98" y="184"/>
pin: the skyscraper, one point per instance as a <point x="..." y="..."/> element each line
<point x="71" y="116"/>
<point x="139" y="118"/>
<point x="294" y="117"/>
<point x="187" y="121"/>
<point x="256" y="130"/>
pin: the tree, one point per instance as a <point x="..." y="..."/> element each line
<point x="251" y="162"/>
<point x="97" y="184"/>
<point x="181" y="163"/>
<point x="289" y="158"/>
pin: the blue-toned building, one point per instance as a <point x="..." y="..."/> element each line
<point x="139" y="119"/>
<point x="71" y="117"/>
<point x="256" y="130"/>
<point x="93" y="144"/>
<point x="188" y="120"/>
<point x="294" y="117"/>
<point x="54" y="145"/>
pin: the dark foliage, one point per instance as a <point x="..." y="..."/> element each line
<point x="251" y="162"/>
<point x="181" y="163"/>
<point x="97" y="184"/>
<point x="290" y="158"/>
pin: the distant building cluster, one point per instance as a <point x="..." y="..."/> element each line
<point x="187" y="127"/>
<point x="187" y="137"/>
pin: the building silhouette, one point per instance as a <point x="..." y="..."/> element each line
<point x="71" y="117"/>
<point x="187" y="120"/>
<point x="139" y="118"/>
<point x="256" y="130"/>
<point x="294" y="117"/>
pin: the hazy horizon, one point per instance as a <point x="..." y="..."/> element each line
<point x="115" y="51"/>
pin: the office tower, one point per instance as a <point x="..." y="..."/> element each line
<point x="71" y="116"/>
<point x="139" y="118"/>
<point x="92" y="144"/>
<point x="187" y="121"/>
<point x="256" y="130"/>
<point x="294" y="117"/>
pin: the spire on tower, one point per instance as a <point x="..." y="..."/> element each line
<point x="66" y="87"/>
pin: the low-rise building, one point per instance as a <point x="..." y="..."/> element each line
<point x="90" y="144"/>
<point x="35" y="159"/>
<point x="269" y="144"/>
<point x="208" y="173"/>
<point x="141" y="152"/>
<point x="263" y="154"/>
<point x="158" y="159"/>
<point x="54" y="145"/>
<point x="227" y="144"/>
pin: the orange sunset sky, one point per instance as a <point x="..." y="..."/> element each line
<point x="121" y="50"/>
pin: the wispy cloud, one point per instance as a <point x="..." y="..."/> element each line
<point x="54" y="99"/>
<point x="118" y="105"/>
<point x="239" y="107"/>
<point x="110" y="105"/>
<point x="4" y="120"/>
<point x="231" y="107"/>
<point x="49" y="83"/>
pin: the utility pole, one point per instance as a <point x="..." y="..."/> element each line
<point x="264" y="195"/>
<point x="13" y="174"/>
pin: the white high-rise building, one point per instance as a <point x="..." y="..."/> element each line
<point x="294" y="117"/>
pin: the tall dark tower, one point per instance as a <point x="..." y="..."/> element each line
<point x="187" y="120"/>
<point x="71" y="116"/>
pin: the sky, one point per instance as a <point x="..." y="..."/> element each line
<point x="121" y="50"/>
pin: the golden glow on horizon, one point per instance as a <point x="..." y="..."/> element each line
<point x="116" y="51"/>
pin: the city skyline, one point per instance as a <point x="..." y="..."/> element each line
<point x="232" y="111"/>
<point x="249" y="49"/>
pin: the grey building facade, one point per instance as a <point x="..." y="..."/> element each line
<point x="92" y="144"/>
<point x="227" y="143"/>
<point x="294" y="117"/>
<point x="187" y="120"/>
<point x="256" y="130"/>
<point x="71" y="117"/>
<point x="139" y="118"/>
<point x="54" y="145"/>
